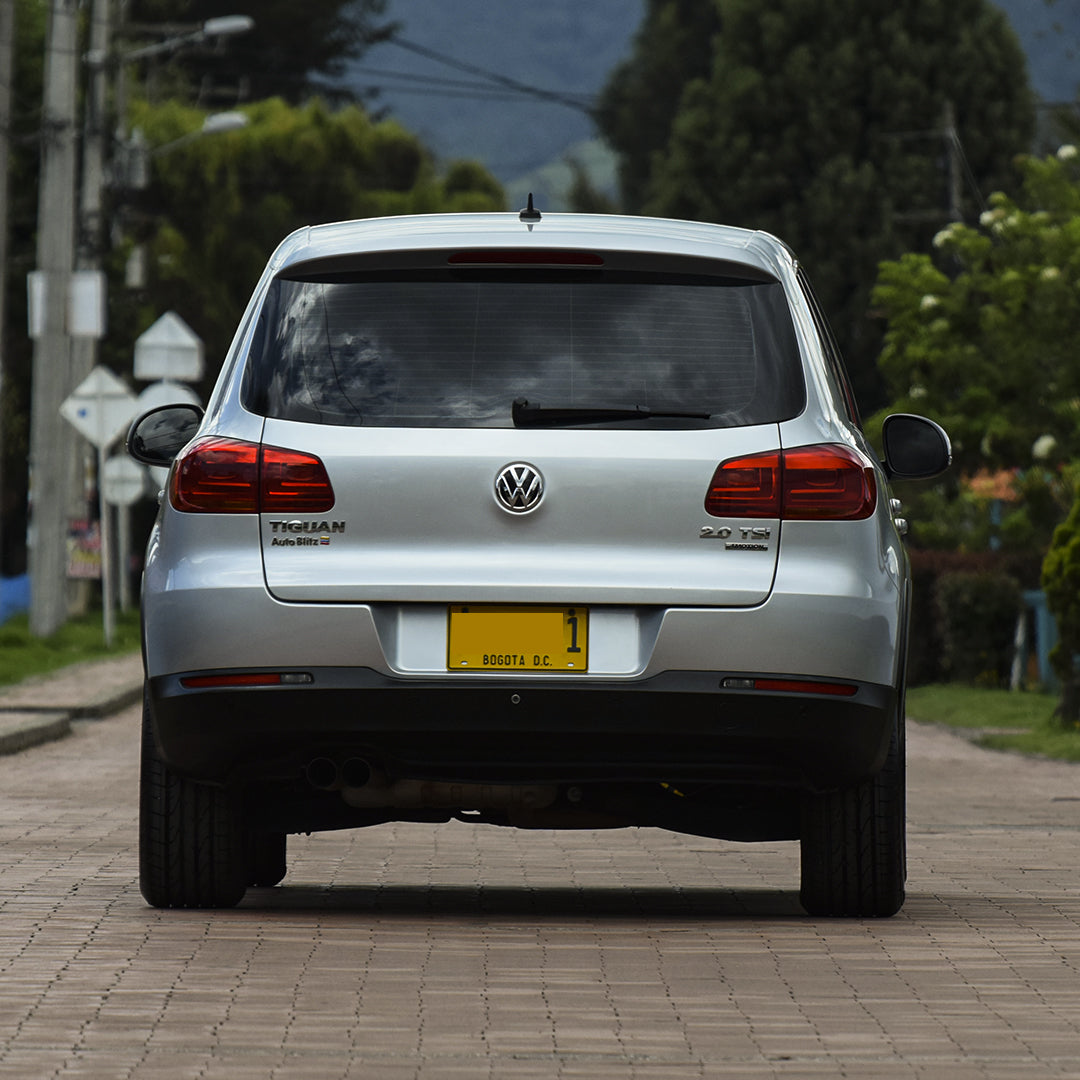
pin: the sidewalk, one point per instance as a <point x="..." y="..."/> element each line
<point x="42" y="708"/>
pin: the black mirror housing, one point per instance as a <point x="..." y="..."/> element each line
<point x="915" y="448"/>
<point x="156" y="437"/>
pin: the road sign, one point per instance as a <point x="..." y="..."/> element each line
<point x="100" y="407"/>
<point x="166" y="393"/>
<point x="123" y="481"/>
<point x="169" y="349"/>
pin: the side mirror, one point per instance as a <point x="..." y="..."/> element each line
<point x="156" y="437"/>
<point x="915" y="448"/>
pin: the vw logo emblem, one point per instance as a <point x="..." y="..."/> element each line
<point x="519" y="488"/>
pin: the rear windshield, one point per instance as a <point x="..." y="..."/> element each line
<point x="456" y="349"/>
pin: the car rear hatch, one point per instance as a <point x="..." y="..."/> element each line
<point x="441" y="399"/>
<point x="417" y="517"/>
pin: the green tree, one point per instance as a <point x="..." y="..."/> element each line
<point x="294" y="50"/>
<point x="823" y="121"/>
<point x="218" y="205"/>
<point x="985" y="337"/>
<point x="1061" y="581"/>
<point x="638" y="106"/>
<point x="24" y="148"/>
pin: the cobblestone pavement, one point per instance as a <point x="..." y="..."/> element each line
<point x="472" y="952"/>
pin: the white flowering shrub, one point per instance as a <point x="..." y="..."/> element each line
<point x="984" y="335"/>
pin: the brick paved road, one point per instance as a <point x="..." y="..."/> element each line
<point x="407" y="952"/>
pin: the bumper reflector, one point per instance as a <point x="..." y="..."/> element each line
<point x="247" y="678"/>
<point x="792" y="686"/>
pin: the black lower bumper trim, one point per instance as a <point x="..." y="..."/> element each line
<point x="678" y="726"/>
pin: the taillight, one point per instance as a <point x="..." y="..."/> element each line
<point x="828" y="483"/>
<point x="808" y="483"/>
<point x="229" y="476"/>
<point x="746" y="487"/>
<point x="217" y="476"/>
<point x="293" y="483"/>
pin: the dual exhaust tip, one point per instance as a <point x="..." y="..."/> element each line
<point x="325" y="774"/>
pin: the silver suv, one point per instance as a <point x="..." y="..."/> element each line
<point x="547" y="521"/>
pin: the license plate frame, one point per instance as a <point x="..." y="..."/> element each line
<point x="518" y="639"/>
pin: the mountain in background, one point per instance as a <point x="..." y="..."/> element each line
<point x="554" y="56"/>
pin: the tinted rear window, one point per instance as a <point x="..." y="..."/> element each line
<point x="455" y="349"/>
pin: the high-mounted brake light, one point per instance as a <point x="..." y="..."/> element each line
<point x="526" y="257"/>
<point x="230" y="476"/>
<point x="830" y="482"/>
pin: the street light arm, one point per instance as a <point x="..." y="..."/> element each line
<point x="228" y="25"/>
<point x="218" y="27"/>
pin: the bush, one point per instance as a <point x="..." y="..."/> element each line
<point x="1061" y="582"/>
<point x="928" y="652"/>
<point x="977" y="615"/>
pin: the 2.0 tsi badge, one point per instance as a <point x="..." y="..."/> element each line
<point x="519" y="488"/>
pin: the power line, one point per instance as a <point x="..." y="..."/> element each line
<point x="555" y="96"/>
<point x="432" y="84"/>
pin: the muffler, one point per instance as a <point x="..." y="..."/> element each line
<point x="443" y="795"/>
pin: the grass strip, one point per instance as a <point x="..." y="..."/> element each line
<point x="997" y="719"/>
<point x="83" y="638"/>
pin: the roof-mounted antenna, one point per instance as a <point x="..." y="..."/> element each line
<point x="530" y="213"/>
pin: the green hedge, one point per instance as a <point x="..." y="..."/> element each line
<point x="963" y="615"/>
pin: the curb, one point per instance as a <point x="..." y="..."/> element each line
<point x="42" y="709"/>
<point x="21" y="730"/>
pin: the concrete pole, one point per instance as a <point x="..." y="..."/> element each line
<point x="90" y="238"/>
<point x="7" y="56"/>
<point x="52" y="441"/>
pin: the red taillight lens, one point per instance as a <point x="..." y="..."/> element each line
<point x="828" y="483"/>
<point x="809" y="483"/>
<point x="746" y="487"/>
<point x="294" y="483"/>
<point x="217" y="476"/>
<point x="228" y="476"/>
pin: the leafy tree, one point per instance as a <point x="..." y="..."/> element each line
<point x="16" y="347"/>
<point x="294" y="50"/>
<point x="823" y="121"/>
<point x="986" y="338"/>
<point x="637" y="108"/>
<point x="1061" y="581"/>
<point x="218" y="205"/>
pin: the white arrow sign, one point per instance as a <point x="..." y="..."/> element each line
<point x="100" y="407"/>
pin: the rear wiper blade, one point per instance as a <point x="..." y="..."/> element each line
<point x="525" y="414"/>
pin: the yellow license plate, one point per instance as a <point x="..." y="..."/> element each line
<point x="488" y="637"/>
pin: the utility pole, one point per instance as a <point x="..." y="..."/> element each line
<point x="52" y="442"/>
<point x="89" y="233"/>
<point x="7" y="58"/>
<point x="90" y="225"/>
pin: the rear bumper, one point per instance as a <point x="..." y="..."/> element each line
<point x="676" y="726"/>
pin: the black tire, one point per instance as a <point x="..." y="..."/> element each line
<point x="191" y="850"/>
<point x="266" y="858"/>
<point x="854" y="858"/>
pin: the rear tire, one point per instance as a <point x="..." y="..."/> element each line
<point x="191" y="851"/>
<point x="266" y="858"/>
<point x="854" y="860"/>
